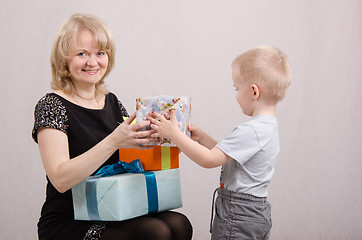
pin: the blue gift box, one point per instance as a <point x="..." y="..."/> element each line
<point x="128" y="195"/>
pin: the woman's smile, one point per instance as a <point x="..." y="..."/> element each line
<point x="91" y="71"/>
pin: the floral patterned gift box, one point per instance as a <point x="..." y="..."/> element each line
<point x="164" y="105"/>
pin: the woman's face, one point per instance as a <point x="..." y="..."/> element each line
<point x="88" y="63"/>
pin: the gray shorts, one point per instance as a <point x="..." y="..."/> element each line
<point x="241" y="216"/>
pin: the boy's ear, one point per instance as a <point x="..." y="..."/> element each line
<point x="256" y="92"/>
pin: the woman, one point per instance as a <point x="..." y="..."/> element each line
<point x="77" y="130"/>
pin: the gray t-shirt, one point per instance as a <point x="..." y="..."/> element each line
<point x="253" y="145"/>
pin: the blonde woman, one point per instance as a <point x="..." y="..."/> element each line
<point x="77" y="130"/>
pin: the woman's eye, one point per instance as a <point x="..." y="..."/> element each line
<point x="81" y="54"/>
<point x="101" y="53"/>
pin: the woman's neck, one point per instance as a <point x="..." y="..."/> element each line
<point x="84" y="99"/>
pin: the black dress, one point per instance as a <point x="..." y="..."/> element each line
<point x="84" y="128"/>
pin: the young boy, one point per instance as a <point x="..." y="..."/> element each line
<point x="261" y="77"/>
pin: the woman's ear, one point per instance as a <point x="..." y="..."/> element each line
<point x="256" y="92"/>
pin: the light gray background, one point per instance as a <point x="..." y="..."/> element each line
<point x="185" y="48"/>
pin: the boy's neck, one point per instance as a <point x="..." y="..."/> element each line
<point x="264" y="109"/>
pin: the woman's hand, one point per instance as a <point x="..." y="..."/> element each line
<point x="130" y="136"/>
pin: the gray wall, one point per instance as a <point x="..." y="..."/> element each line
<point x="186" y="48"/>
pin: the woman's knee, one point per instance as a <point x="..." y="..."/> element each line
<point x="156" y="229"/>
<point x="138" y="229"/>
<point x="178" y="223"/>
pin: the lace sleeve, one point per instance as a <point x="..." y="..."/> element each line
<point x="49" y="112"/>
<point x="123" y="109"/>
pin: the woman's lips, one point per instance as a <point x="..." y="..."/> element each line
<point x="91" y="71"/>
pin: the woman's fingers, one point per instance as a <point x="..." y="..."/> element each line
<point x="135" y="126"/>
<point x="144" y="132"/>
<point x="129" y="120"/>
<point x="144" y="141"/>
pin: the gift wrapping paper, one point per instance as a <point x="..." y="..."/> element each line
<point x="163" y="105"/>
<point x="157" y="158"/>
<point x="126" y="196"/>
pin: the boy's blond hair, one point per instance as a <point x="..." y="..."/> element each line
<point x="66" y="41"/>
<point x="267" y="67"/>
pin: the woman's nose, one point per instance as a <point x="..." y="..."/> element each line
<point x="92" y="61"/>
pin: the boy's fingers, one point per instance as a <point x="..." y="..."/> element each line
<point x="157" y="115"/>
<point x="192" y="127"/>
<point x="173" y="116"/>
<point x="152" y="120"/>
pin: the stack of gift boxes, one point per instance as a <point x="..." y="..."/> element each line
<point x="128" y="195"/>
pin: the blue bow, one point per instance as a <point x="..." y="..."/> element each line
<point x="117" y="168"/>
<point x="121" y="167"/>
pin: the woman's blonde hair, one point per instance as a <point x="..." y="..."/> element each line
<point x="66" y="41"/>
<point x="268" y="68"/>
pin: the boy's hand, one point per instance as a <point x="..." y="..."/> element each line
<point x="163" y="127"/>
<point x="196" y="132"/>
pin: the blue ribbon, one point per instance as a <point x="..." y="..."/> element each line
<point x="152" y="194"/>
<point x="120" y="167"/>
<point x="91" y="197"/>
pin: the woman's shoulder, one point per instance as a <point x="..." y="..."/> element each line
<point x="111" y="96"/>
<point x="50" y="112"/>
<point x="50" y="104"/>
<point x="49" y="100"/>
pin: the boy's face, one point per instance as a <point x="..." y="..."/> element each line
<point x="244" y="93"/>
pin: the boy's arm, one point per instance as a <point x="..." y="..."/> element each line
<point x="207" y="158"/>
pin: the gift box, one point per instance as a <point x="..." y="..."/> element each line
<point x="164" y="105"/>
<point x="157" y="158"/>
<point x="128" y="195"/>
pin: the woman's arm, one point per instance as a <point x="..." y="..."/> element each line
<point x="202" y="155"/>
<point x="64" y="173"/>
